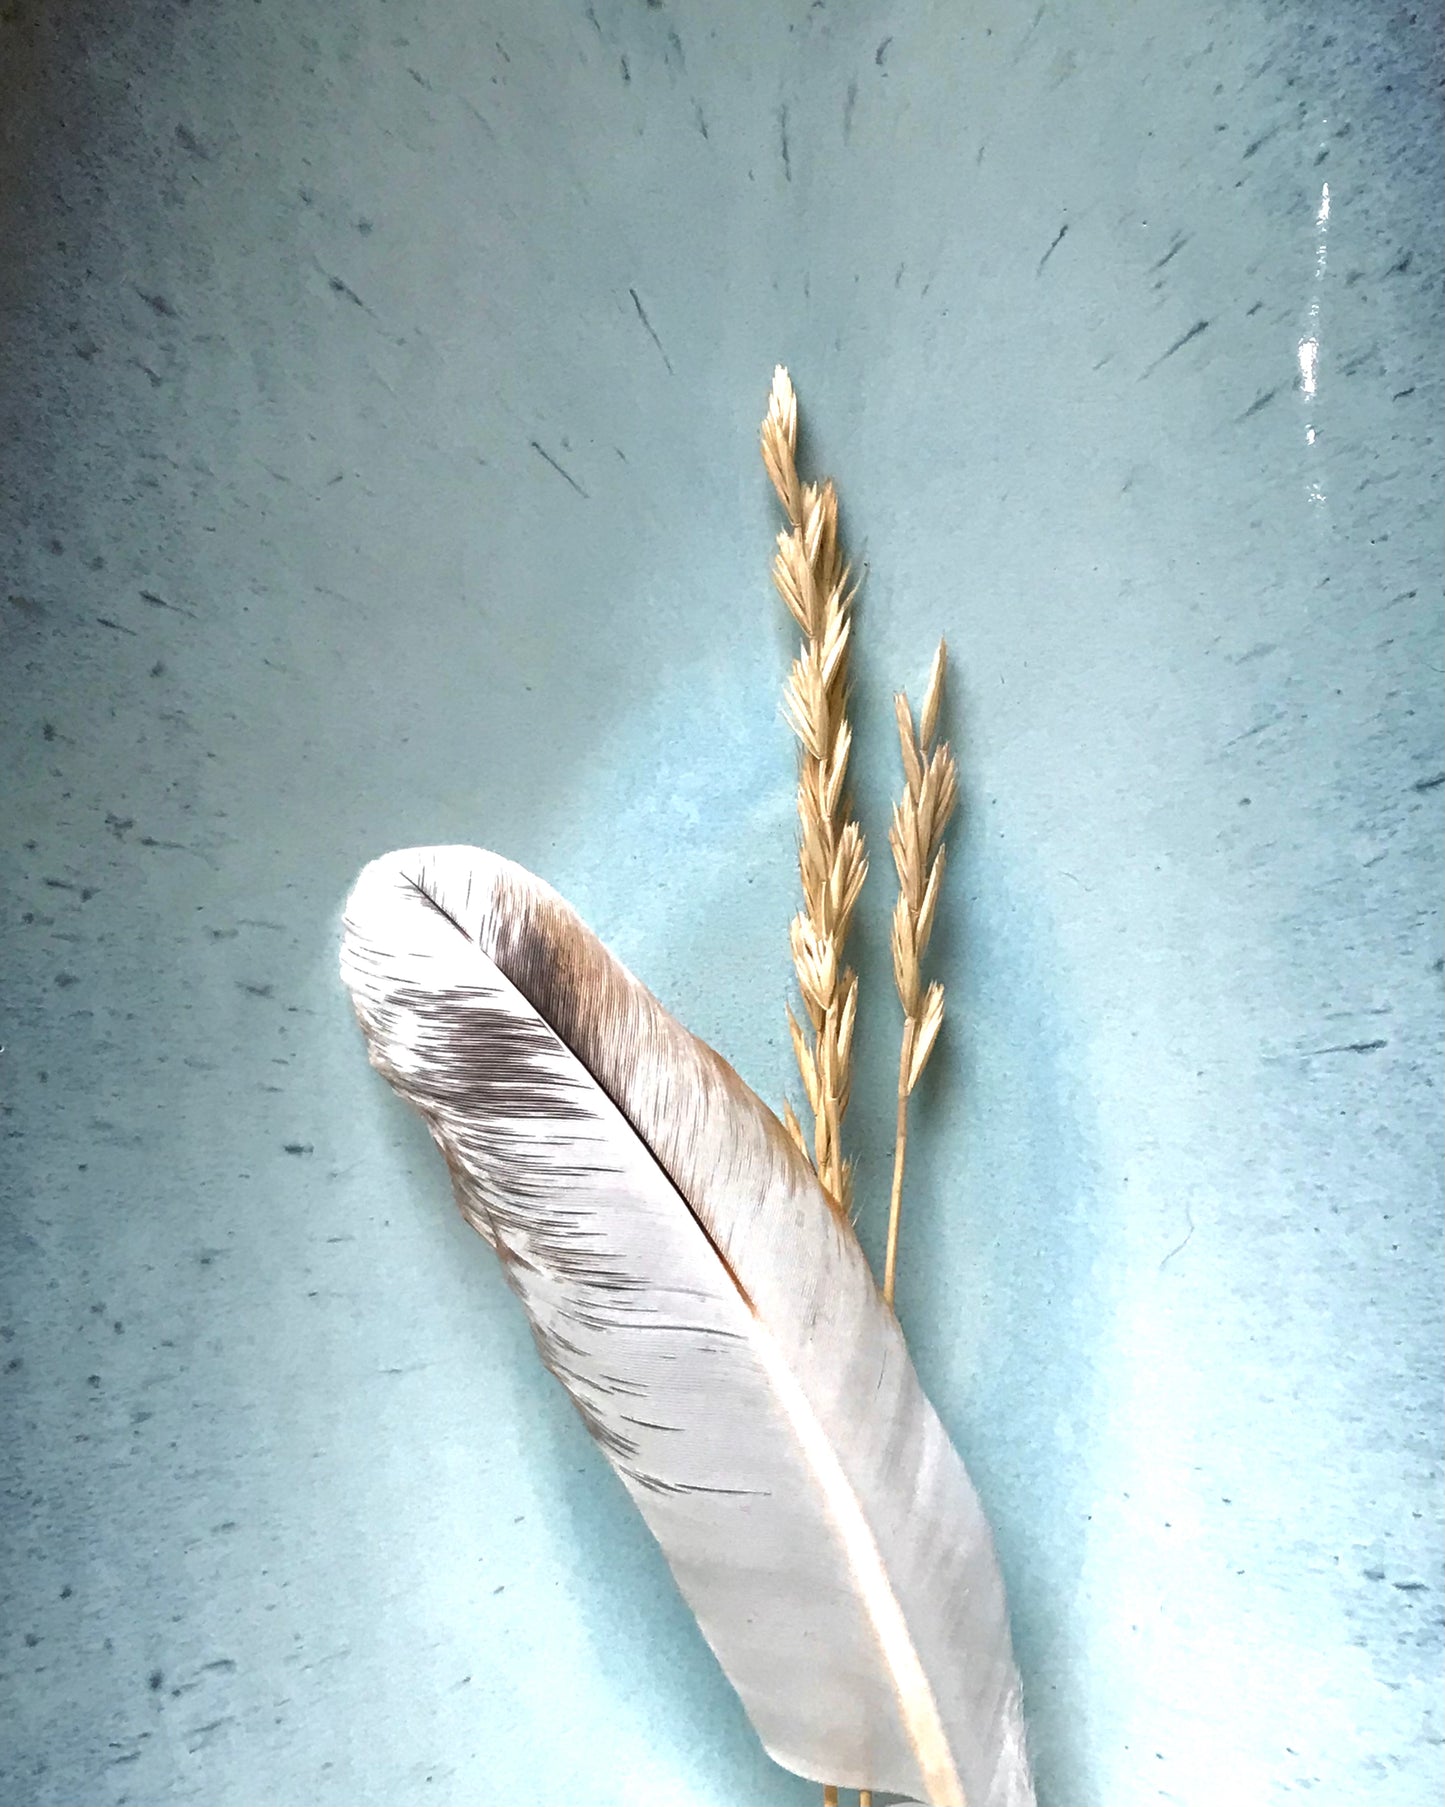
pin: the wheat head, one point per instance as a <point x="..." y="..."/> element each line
<point x="920" y="816"/>
<point x="813" y="582"/>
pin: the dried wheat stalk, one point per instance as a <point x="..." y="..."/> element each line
<point x="812" y="580"/>
<point x="930" y="791"/>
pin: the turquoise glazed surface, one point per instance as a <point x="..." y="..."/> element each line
<point x="380" y="389"/>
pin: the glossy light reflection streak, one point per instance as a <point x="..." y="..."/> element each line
<point x="1308" y="350"/>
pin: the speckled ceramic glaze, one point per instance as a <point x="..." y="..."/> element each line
<point x="380" y="389"/>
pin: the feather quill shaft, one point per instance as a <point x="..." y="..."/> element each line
<point x="714" y="1321"/>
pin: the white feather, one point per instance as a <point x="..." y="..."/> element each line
<point x="715" y="1322"/>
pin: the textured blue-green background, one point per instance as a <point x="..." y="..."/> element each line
<point x="380" y="391"/>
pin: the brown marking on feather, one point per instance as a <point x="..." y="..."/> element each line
<point x="537" y="946"/>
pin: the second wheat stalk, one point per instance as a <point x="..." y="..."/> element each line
<point x="930" y="792"/>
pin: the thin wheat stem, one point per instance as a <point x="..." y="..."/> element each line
<point x="900" y="1156"/>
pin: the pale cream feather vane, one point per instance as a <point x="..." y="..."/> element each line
<point x="714" y="1321"/>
